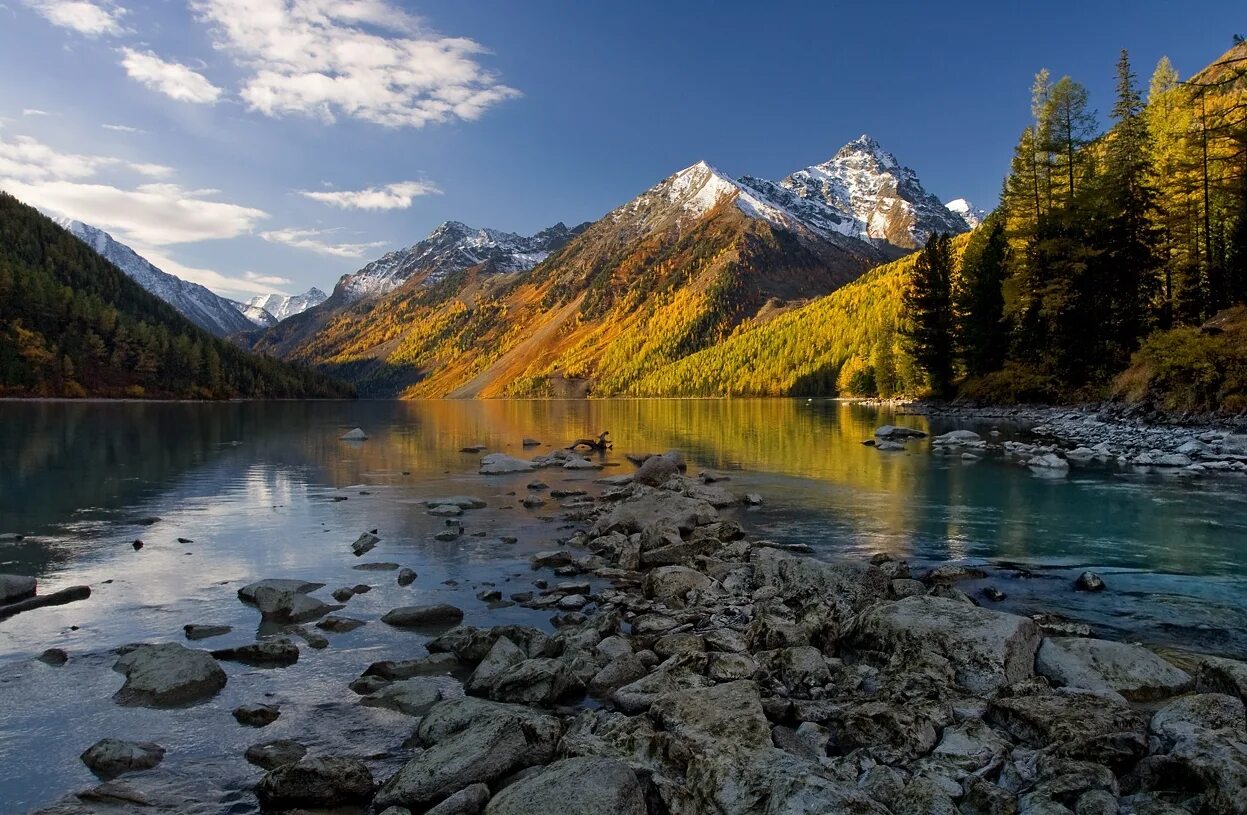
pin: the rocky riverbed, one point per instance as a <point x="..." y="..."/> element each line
<point x="686" y="668"/>
<point x="1061" y="437"/>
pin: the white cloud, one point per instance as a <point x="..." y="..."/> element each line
<point x="35" y="112"/>
<point x="238" y="287"/>
<point x="315" y="241"/>
<point x="28" y="159"/>
<point x="83" y="16"/>
<point x="392" y="196"/>
<point x="155" y="214"/>
<point x="173" y="79"/>
<point x="363" y="59"/>
<point x="123" y="128"/>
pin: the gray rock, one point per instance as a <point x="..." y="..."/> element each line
<point x="540" y="681"/>
<point x="769" y="780"/>
<point x="272" y="754"/>
<point x="622" y="670"/>
<point x="364" y="544"/>
<point x="922" y="796"/>
<point x="1089" y="581"/>
<point x="203" y="632"/>
<point x="354" y="435"/>
<point x="256" y="715"/>
<point x="406" y="576"/>
<point x="726" y="667"/>
<point x="503" y="655"/>
<point x="1132" y="671"/>
<point x="888" y="431"/>
<point x="339" y="625"/>
<point x="276" y="653"/>
<point x="109" y="758"/>
<point x="1072" y="723"/>
<point x="798" y="578"/>
<point x="413" y="697"/>
<point x="656" y="471"/>
<point x="971" y="745"/>
<point x="54" y="657"/>
<point x="1191" y="715"/>
<point x="433" y="616"/>
<point x="987" y="649"/>
<point x="500" y="464"/>
<point x="468" y="801"/>
<point x="730" y="713"/>
<point x="167" y="675"/>
<point x="655" y="508"/>
<point x="14" y="587"/>
<point x="574" y="786"/>
<point x="1221" y="675"/>
<point x="671" y="584"/>
<point x="285" y="606"/>
<point x="316" y="782"/>
<point x="248" y="592"/>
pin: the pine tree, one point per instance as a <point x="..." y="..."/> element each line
<point x="1071" y="126"/>
<point x="928" y="311"/>
<point x="982" y="333"/>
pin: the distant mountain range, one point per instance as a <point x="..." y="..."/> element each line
<point x="280" y="306"/>
<point x="601" y="307"/>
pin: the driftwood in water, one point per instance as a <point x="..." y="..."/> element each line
<point x="56" y="598"/>
<point x="600" y="443"/>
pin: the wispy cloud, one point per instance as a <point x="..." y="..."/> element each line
<point x="364" y="59"/>
<point x="35" y="112"/>
<point x="155" y="214"/>
<point x="316" y="240"/>
<point x="398" y="195"/>
<point x="173" y="79"/>
<point x="123" y="128"/>
<point x="88" y="18"/>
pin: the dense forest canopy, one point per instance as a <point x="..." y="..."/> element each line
<point x="72" y="324"/>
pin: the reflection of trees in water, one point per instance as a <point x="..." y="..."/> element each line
<point x="56" y="458"/>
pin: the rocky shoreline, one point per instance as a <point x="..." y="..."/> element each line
<point x="689" y="669"/>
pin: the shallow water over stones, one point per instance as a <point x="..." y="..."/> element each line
<point x="269" y="491"/>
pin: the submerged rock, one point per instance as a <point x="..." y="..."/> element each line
<point x="109" y="758"/>
<point x="167" y="675"/>
<point x="501" y="464"/>
<point x="272" y="754"/>
<point x="203" y="632"/>
<point x="256" y="715"/>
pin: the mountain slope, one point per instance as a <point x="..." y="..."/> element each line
<point x="73" y="324"/>
<point x="258" y="317"/>
<point x="209" y="311"/>
<point x="847" y="342"/>
<point x="675" y="270"/>
<point x="281" y="306"/>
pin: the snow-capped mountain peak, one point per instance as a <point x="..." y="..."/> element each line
<point x="196" y="303"/>
<point x="281" y="306"/>
<point x="453" y="247"/>
<point x="969" y="213"/>
<point x="882" y="200"/>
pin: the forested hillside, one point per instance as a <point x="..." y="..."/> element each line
<point x="72" y="324"/>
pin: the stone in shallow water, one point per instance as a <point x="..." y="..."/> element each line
<point x="431" y="616"/>
<point x="14" y="587"/>
<point x="269" y="755"/>
<point x="256" y="715"/>
<point x="413" y="697"/>
<point x="500" y="464"/>
<point x="356" y="434"/>
<point x="266" y="654"/>
<point x="203" y="632"/>
<point x="248" y="592"/>
<point x="167" y="675"/>
<point x="109" y="758"/>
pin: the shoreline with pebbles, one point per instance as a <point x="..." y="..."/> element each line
<point x="718" y="674"/>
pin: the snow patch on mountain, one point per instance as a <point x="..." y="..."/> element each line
<point x="204" y="308"/>
<point x="281" y="306"/>
<point x="258" y="316"/>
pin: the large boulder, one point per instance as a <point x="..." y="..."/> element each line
<point x="987" y="649"/>
<point x="770" y="780"/>
<point x="440" y="615"/>
<point x="671" y="584"/>
<point x="502" y="656"/>
<point x="541" y="681"/>
<point x="1221" y="675"/>
<point x="167" y="675"/>
<point x="1072" y="723"/>
<point x="1104" y="666"/>
<point x="656" y="470"/>
<point x="1198" y="713"/>
<point x="470" y="800"/>
<point x="316" y="782"/>
<point x="656" y="507"/>
<point x="800" y="578"/>
<point x="411" y="696"/>
<point x="471" y="742"/>
<point x="725" y="717"/>
<point x="109" y="758"/>
<point x="573" y="786"/>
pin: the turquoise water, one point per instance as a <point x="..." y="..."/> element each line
<point x="257" y="487"/>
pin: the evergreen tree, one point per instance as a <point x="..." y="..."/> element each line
<point x="1070" y="126"/>
<point x="982" y="333"/>
<point x="928" y="312"/>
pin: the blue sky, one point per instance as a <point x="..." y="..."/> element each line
<point x="262" y="145"/>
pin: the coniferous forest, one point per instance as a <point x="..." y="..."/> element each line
<point x="1117" y="261"/>
<point x="73" y="325"/>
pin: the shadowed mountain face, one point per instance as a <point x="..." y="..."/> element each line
<point x="596" y="310"/>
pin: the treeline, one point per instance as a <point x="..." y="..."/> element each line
<point x="1101" y="240"/>
<point x="73" y="325"/>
